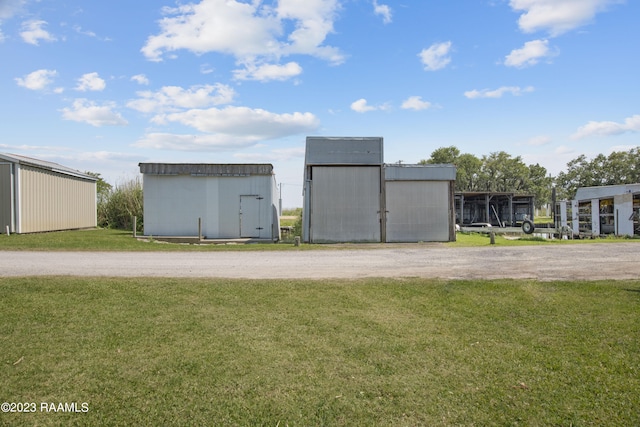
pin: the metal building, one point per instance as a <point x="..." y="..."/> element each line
<point x="38" y="196"/>
<point x="610" y="209"/>
<point x="350" y="195"/>
<point x="419" y="201"/>
<point x="215" y="201"/>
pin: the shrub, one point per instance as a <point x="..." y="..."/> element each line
<point x="120" y="205"/>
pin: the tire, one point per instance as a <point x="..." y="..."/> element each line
<point x="527" y="226"/>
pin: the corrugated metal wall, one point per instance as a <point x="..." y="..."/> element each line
<point x="173" y="204"/>
<point x="345" y="204"/>
<point x="6" y="196"/>
<point x="418" y="211"/>
<point x="50" y="201"/>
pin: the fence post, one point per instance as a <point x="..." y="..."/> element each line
<point x="199" y="230"/>
<point x="135" y="226"/>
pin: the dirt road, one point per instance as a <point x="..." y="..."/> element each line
<point x="607" y="261"/>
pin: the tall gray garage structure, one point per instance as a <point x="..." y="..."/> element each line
<point x="220" y="201"/>
<point x="350" y="195"/>
<point x="38" y="196"/>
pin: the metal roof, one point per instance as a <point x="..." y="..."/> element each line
<point x="205" y="169"/>
<point x="605" y="191"/>
<point x="42" y="164"/>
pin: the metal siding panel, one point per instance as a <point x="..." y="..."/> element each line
<point x="173" y="204"/>
<point x="51" y="201"/>
<point x="418" y="211"/>
<point x="345" y="204"/>
<point x="6" y="197"/>
<point x="335" y="151"/>
<point x="420" y="173"/>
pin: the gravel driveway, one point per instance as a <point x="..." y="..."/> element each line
<point x="566" y="262"/>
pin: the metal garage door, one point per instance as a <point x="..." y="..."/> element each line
<point x="345" y="204"/>
<point x="417" y="211"/>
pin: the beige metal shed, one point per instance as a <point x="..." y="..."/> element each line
<point x="37" y="196"/>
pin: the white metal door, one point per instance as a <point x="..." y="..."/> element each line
<point x="250" y="216"/>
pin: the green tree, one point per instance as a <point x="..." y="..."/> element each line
<point x="468" y="172"/>
<point x="620" y="167"/>
<point x="467" y="166"/>
<point x="443" y="155"/>
<point x="498" y="172"/>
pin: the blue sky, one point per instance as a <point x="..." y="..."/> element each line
<point x="102" y="86"/>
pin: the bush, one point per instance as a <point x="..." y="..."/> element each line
<point x="117" y="208"/>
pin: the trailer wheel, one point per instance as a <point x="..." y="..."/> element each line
<point x="527" y="226"/>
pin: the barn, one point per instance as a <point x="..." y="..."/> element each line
<point x="214" y="201"/>
<point x="350" y="195"/>
<point x="38" y="196"/>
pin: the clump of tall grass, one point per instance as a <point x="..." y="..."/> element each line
<point x="118" y="206"/>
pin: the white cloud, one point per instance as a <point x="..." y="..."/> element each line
<point x="557" y="16"/>
<point x="436" y="56"/>
<point x="140" y="79"/>
<point x="213" y="26"/>
<point x="33" y="32"/>
<point x="202" y="142"/>
<point x="268" y="72"/>
<point x="9" y="7"/>
<point x="538" y="141"/>
<point x="529" y="54"/>
<point x="416" y="103"/>
<point x="382" y="10"/>
<point x="361" y="106"/>
<point x="607" y="128"/>
<point x="90" y="82"/>
<point x="174" y="98"/>
<point x="243" y="121"/>
<point x="37" y="80"/>
<point x="277" y="155"/>
<point x="498" y="93"/>
<point x="86" y="111"/>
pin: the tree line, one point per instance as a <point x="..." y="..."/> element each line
<point x="501" y="172"/>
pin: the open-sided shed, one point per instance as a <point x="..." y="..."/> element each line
<point x="38" y="196"/>
<point x="350" y="195"/>
<point x="218" y="201"/>
<point x="497" y="208"/>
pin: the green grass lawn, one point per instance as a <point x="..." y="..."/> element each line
<point x="119" y="240"/>
<point x="308" y="353"/>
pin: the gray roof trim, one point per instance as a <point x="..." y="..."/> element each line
<point x="394" y="172"/>
<point x="206" y="169"/>
<point x="42" y="164"/>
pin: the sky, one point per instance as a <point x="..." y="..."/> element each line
<point x="102" y="86"/>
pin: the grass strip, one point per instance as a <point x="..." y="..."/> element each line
<point x="367" y="352"/>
